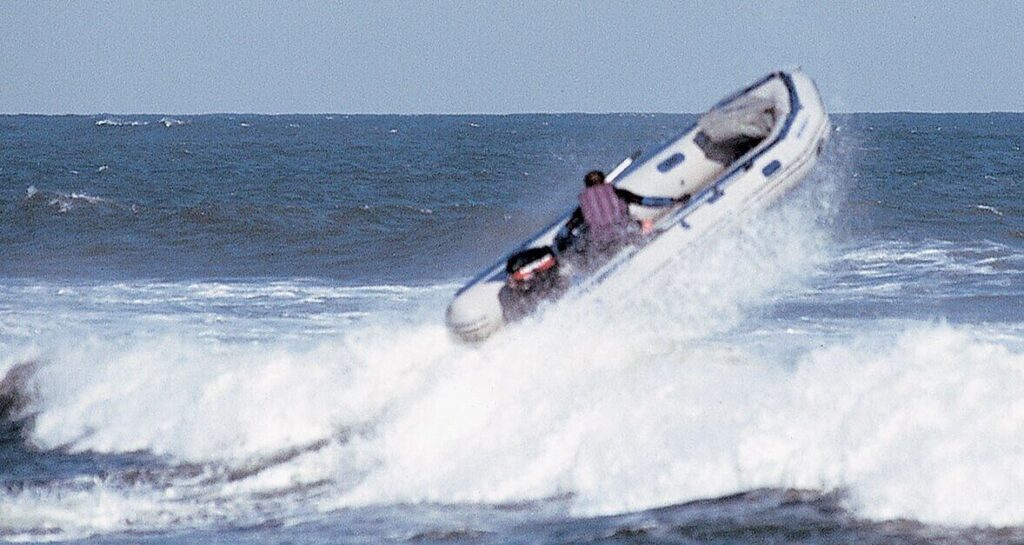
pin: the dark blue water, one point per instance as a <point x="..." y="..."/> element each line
<point x="290" y="196"/>
<point x="228" y="328"/>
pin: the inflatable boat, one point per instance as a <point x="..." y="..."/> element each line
<point x="741" y="155"/>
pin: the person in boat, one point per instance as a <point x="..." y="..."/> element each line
<point x="532" y="276"/>
<point x="604" y="210"/>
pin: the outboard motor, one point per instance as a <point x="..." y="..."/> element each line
<point x="532" y="276"/>
<point x="531" y="268"/>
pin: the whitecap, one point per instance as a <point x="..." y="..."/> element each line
<point x="114" y="122"/>
<point x="88" y="198"/>
<point x="988" y="208"/>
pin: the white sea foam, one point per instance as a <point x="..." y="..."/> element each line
<point x="988" y="208"/>
<point x="236" y="311"/>
<point x="928" y="268"/>
<point x="925" y="425"/>
<point x="87" y="509"/>
<point x="63" y="202"/>
<point x="170" y="122"/>
<point x="922" y="423"/>
<point x="87" y="198"/>
<point x="114" y="122"/>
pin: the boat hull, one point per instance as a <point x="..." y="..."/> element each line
<point x="720" y="193"/>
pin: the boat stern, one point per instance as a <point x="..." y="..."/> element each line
<point x="476" y="313"/>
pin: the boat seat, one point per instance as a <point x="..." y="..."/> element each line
<point x="728" y="151"/>
<point x="729" y="132"/>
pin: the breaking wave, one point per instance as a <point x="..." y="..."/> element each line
<point x="676" y="398"/>
<point x="199" y="400"/>
<point x="920" y="423"/>
<point x="62" y="202"/>
<point x="117" y="122"/>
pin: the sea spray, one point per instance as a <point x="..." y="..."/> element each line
<point x="400" y="413"/>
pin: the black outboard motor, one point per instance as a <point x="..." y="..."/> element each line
<point x="532" y="275"/>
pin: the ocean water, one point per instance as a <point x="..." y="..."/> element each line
<point x="229" y="329"/>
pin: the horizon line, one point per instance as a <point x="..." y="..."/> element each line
<point x="491" y="114"/>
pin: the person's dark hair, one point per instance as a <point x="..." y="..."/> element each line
<point x="594" y="177"/>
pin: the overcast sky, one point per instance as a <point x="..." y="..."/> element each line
<point x="498" y="57"/>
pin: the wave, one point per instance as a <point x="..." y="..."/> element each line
<point x="611" y="403"/>
<point x="909" y="424"/>
<point x="924" y="271"/>
<point x="171" y="122"/>
<point x="906" y="424"/>
<point x="62" y="202"/>
<point x="117" y="122"/>
<point x="231" y="311"/>
<point x="114" y="122"/>
<point x="15" y="399"/>
<point x="285" y="416"/>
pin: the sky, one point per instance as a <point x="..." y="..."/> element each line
<point x="190" y="57"/>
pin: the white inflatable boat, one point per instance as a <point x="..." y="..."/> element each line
<point x="742" y="155"/>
